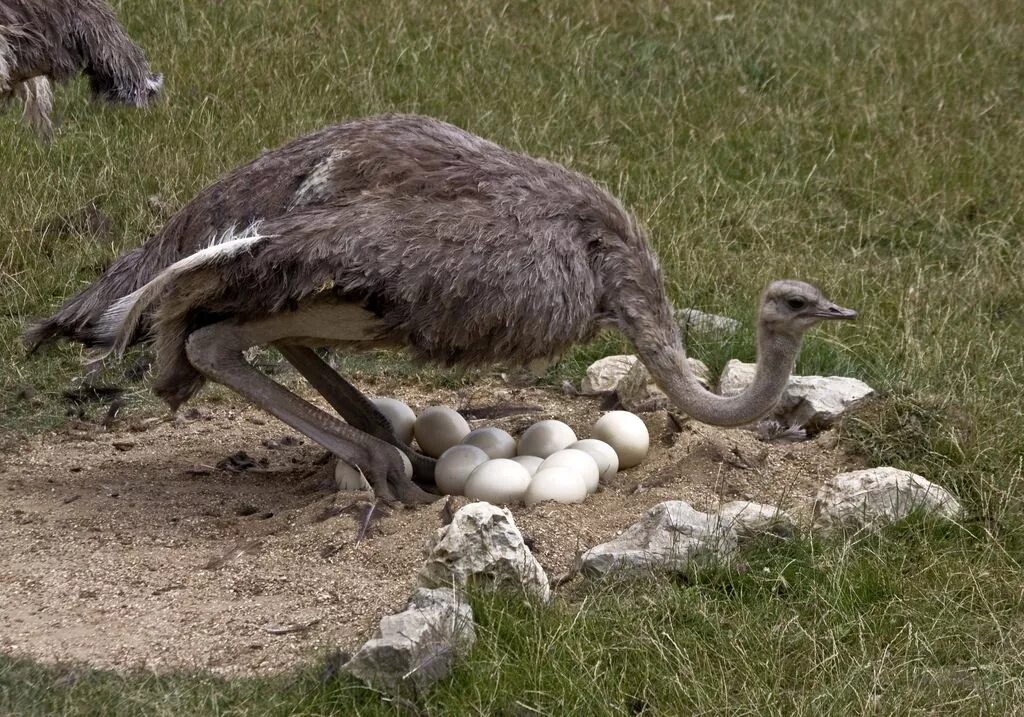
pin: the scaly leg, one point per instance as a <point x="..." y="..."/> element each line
<point x="216" y="351"/>
<point x="352" y="405"/>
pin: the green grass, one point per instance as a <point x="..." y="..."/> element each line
<point x="873" y="148"/>
<point x="914" y="621"/>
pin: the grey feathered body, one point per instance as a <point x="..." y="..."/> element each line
<point x="57" y="39"/>
<point x="467" y="252"/>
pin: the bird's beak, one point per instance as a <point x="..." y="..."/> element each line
<point x="836" y="313"/>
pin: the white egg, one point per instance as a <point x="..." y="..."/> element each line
<point x="606" y="457"/>
<point x="493" y="441"/>
<point x="438" y="428"/>
<point x="406" y="463"/>
<point x="544" y="438"/>
<point x="626" y="433"/>
<point x="498" y="481"/>
<point x="399" y="414"/>
<point x="559" y="484"/>
<point x="454" y="467"/>
<point x="530" y="463"/>
<point x="580" y="462"/>
<point x="348" y="477"/>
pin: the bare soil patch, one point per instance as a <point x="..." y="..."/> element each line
<point x="140" y="546"/>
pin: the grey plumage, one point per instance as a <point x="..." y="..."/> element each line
<point x="459" y="249"/>
<point x="44" y="41"/>
<point x="453" y="240"/>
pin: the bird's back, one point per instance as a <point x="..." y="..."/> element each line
<point x="420" y="160"/>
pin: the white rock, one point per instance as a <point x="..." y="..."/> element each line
<point x="454" y="466"/>
<point x="669" y="536"/>
<point x="753" y="519"/>
<point x="580" y="462"/>
<point x="544" y="438"/>
<point x="867" y="499"/>
<point x="418" y="646"/>
<point x="819" y="401"/>
<point x="495" y="442"/>
<point x="603" y="375"/>
<point x="603" y="454"/>
<point x="637" y="390"/>
<point x="482" y="545"/>
<point x="810" y="401"/>
<point x="399" y="415"/>
<point x="500" y="481"/>
<point x="707" y="322"/>
<point x="736" y="376"/>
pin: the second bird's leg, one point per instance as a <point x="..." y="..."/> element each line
<point x="216" y="351"/>
<point x="352" y="405"/>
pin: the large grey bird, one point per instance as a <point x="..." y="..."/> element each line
<point x="53" y="40"/>
<point x="403" y="230"/>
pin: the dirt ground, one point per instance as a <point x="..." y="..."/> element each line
<point x="140" y="546"/>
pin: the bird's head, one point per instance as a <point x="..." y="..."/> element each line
<point x="792" y="307"/>
<point x="125" y="92"/>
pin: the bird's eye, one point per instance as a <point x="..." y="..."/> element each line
<point x="796" y="304"/>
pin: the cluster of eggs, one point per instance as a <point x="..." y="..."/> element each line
<point x="547" y="463"/>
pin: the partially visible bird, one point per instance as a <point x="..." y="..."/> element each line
<point x="45" y="41"/>
<point x="404" y="230"/>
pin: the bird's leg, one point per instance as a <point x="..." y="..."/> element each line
<point x="352" y="405"/>
<point x="216" y="351"/>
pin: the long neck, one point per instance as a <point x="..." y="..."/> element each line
<point x="637" y="300"/>
<point x="776" y="357"/>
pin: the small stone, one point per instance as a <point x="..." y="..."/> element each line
<point x="869" y="499"/>
<point x="751" y="520"/>
<point x="482" y="545"/>
<point x="638" y="391"/>
<point x="604" y="375"/>
<point x="814" y="402"/>
<point x="710" y="323"/>
<point x="416" y="647"/>
<point x="669" y="536"/>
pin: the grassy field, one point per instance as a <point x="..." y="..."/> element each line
<point x="874" y="148"/>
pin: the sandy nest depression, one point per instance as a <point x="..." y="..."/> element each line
<point x="138" y="546"/>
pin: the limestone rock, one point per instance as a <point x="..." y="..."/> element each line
<point x="603" y="375"/>
<point x="669" y="536"/>
<point x="416" y="647"/>
<point x="735" y="377"/>
<point x="866" y="499"/>
<point x="482" y="545"/>
<point x="812" y="401"/>
<point x="637" y="390"/>
<point x="750" y="520"/>
<point x="707" y="322"/>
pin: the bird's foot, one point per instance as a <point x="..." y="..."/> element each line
<point x="422" y="466"/>
<point x="385" y="472"/>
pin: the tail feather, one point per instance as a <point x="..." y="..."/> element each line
<point x="118" y="326"/>
<point x="76" y="319"/>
